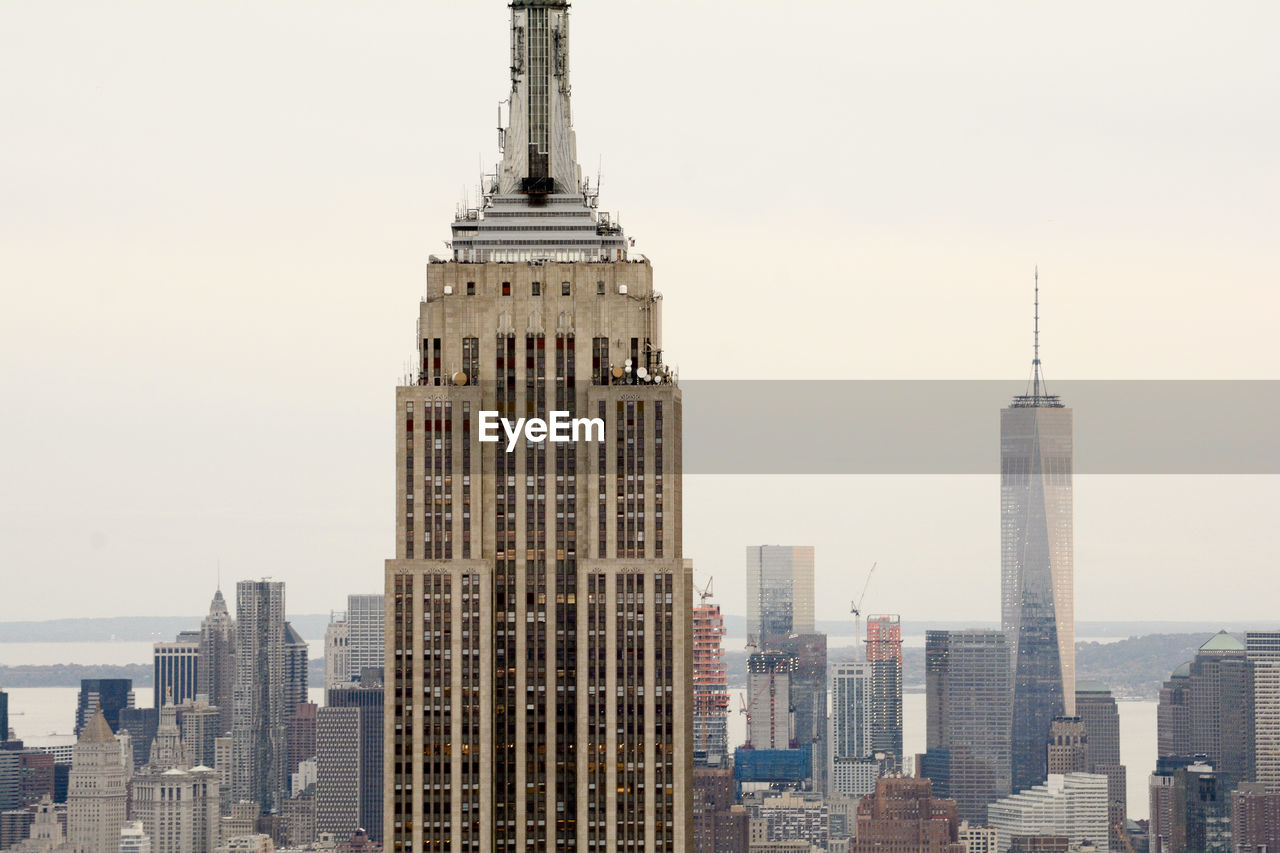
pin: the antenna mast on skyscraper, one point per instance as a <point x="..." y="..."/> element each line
<point x="1035" y="357"/>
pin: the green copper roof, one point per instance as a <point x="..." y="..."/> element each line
<point x="1183" y="671"/>
<point x="1222" y="642"/>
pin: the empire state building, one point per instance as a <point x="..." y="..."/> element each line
<point x="539" y="608"/>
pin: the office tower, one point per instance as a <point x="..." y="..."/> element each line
<point x="176" y="669"/>
<point x="107" y="695"/>
<point x="779" y="593"/>
<point x="1068" y="744"/>
<point x="1190" y="807"/>
<point x="337" y="651"/>
<point x="539" y="606"/>
<point x="300" y="737"/>
<point x="215" y="673"/>
<point x="261" y="688"/>
<point x="4" y="716"/>
<point x="1097" y="708"/>
<point x="1072" y="804"/>
<point x="366" y="698"/>
<point x="904" y="816"/>
<point x="139" y="726"/>
<point x="296" y="663"/>
<point x="97" y="795"/>
<point x="884" y="654"/>
<point x="710" y="688"/>
<point x="808" y="691"/>
<point x="338" y="760"/>
<point x="1204" y="707"/>
<point x="1262" y="649"/>
<point x="850" y="738"/>
<point x="967" y="718"/>
<point x="134" y="839"/>
<point x="366" y="620"/>
<point x="1255" y="819"/>
<point x="770" y="722"/>
<point x="1036" y="537"/>
<point x="200" y="723"/>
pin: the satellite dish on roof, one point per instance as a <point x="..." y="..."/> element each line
<point x="617" y="372"/>
<point x="642" y="373"/>
<point x="460" y="378"/>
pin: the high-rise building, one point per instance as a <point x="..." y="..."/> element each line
<point x="979" y="839"/>
<point x="337" y="651"/>
<point x="1262" y="649"/>
<point x="1096" y="707"/>
<point x="1190" y="807"/>
<point x="851" y="713"/>
<point x="1072" y="805"/>
<point x="1068" y="745"/>
<point x="339" y="757"/>
<point x="710" y="687"/>
<point x="779" y="593"/>
<point x="296" y="665"/>
<point x="1036" y="548"/>
<point x="809" y="700"/>
<point x="107" y="695"/>
<point x="366" y="620"/>
<point x="713" y="794"/>
<point x="1255" y="819"/>
<point x="178" y="806"/>
<point x="904" y="816"/>
<point x="261" y="688"/>
<point x="884" y="654"/>
<point x="349" y="745"/>
<point x="539" y="606"/>
<point x="176" y="670"/>
<point x="200" y="723"/>
<point x="97" y="795"/>
<point x="216" y="671"/>
<point x="1204" y="707"/>
<point x="967" y="717"/>
<point x="301" y="736"/>
<point x="4" y="716"/>
<point x="770" y="722"/>
<point x="138" y="725"/>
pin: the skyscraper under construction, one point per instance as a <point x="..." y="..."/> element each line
<point x="538" y="610"/>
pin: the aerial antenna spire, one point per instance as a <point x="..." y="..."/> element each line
<point x="1035" y="352"/>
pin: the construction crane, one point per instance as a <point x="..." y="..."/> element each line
<point x="705" y="592"/>
<point x="855" y="607"/>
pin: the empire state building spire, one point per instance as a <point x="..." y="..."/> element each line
<point x="539" y="151"/>
<point x="536" y="206"/>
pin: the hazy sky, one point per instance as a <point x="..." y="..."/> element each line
<point x="214" y="219"/>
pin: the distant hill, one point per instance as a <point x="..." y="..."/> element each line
<point x="133" y="629"/>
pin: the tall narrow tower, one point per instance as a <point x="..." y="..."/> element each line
<point x="1036" y="536"/>
<point x="215" y="672"/>
<point x="538" y="609"/>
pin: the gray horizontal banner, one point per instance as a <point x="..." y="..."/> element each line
<point x="953" y="427"/>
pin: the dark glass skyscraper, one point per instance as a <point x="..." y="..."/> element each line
<point x="884" y="654"/>
<point x="1036" y="538"/>
<point x="108" y="695"/>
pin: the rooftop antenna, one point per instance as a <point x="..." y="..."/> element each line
<point x="1035" y="358"/>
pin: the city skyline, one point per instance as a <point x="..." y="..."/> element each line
<point x="1125" y="252"/>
